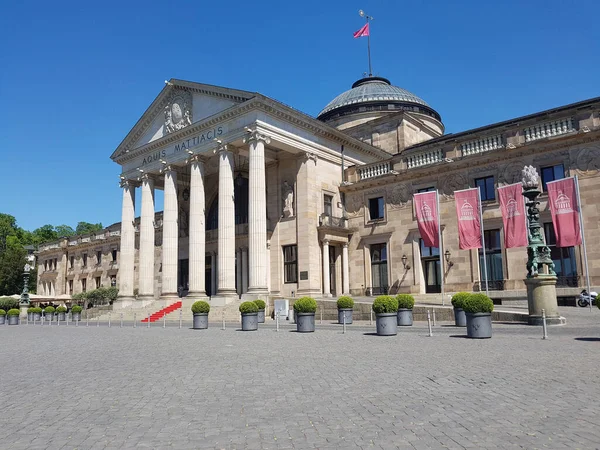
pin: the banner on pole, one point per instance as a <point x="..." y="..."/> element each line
<point x="562" y="198"/>
<point x="467" y="212"/>
<point x="427" y="217"/>
<point x="512" y="206"/>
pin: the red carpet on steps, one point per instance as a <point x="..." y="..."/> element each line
<point x="163" y="312"/>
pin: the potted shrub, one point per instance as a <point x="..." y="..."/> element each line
<point x="385" y="308"/>
<point x="200" y="310"/>
<point x="458" y="299"/>
<point x="36" y="312"/>
<point x="30" y="314"/>
<point x="478" y="309"/>
<point x="62" y="313"/>
<point x="76" y="313"/>
<point x="49" y="311"/>
<point x="2" y="316"/>
<point x="304" y="310"/>
<point x="406" y="303"/>
<point x="345" y="306"/>
<point x="261" y="305"/>
<point x="249" y="312"/>
<point x="13" y="316"/>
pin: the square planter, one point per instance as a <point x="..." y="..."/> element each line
<point x="30" y="317"/>
<point x="460" y="319"/>
<point x="250" y="321"/>
<point x="2" y="320"/>
<point x="305" y="322"/>
<point x="347" y="313"/>
<point x="405" y="317"/>
<point x="387" y="324"/>
<point x="13" y="320"/>
<point x="76" y="317"/>
<point x="62" y="317"/>
<point x="479" y="325"/>
<point x="200" y="321"/>
<point x="261" y="316"/>
<point x="49" y="317"/>
<point x="37" y="317"/>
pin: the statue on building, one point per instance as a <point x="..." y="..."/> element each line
<point x="288" y="200"/>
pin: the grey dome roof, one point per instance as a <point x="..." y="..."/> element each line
<point x="372" y="89"/>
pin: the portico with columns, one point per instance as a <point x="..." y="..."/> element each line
<point x="242" y="217"/>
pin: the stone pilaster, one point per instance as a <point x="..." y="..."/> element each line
<point x="326" y="280"/>
<point x="146" y="255"/>
<point x="244" y="270"/>
<point x="213" y="273"/>
<point x="127" y="249"/>
<point x="170" y="240"/>
<point x="257" y="217"/>
<point x="238" y="267"/>
<point x="345" y="271"/>
<point x="197" y="236"/>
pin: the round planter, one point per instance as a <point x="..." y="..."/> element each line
<point x="13" y="320"/>
<point x="387" y="324"/>
<point x="479" y="325"/>
<point x="460" y="319"/>
<point x="200" y="321"/>
<point x="37" y="317"/>
<point x="62" y="317"/>
<point x="347" y="313"/>
<point x="305" y="322"/>
<point x="405" y="317"/>
<point x="76" y="317"/>
<point x="261" y="316"/>
<point x="250" y="321"/>
<point x="2" y="320"/>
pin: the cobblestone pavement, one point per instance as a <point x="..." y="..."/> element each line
<point x="91" y="388"/>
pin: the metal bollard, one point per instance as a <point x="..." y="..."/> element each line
<point x="434" y="317"/>
<point x="545" y="329"/>
<point x="68" y="318"/>
<point x="277" y="321"/>
<point x="164" y="321"/>
<point x="344" y="322"/>
<point x="223" y="316"/>
<point x="108" y="320"/>
<point x="429" y="323"/>
<point x="87" y="319"/>
<point x="57" y="320"/>
<point x="97" y="321"/>
<point x="371" y="317"/>
<point x="180" y="317"/>
<point x="321" y="315"/>
<point x="148" y="321"/>
<point x="121" y="320"/>
<point x="77" y="322"/>
<point x="134" y="320"/>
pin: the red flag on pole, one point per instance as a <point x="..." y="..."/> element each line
<point x="512" y="206"/>
<point x="562" y="197"/>
<point x="467" y="211"/>
<point x="427" y="217"/>
<point x="364" y="31"/>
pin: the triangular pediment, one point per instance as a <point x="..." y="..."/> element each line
<point x="179" y="105"/>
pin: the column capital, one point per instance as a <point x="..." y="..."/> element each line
<point x="222" y="148"/>
<point x="124" y="182"/>
<point x="168" y="168"/>
<point x="345" y="245"/>
<point x="145" y="176"/>
<point x="325" y="241"/>
<point x="255" y="136"/>
<point x="308" y="156"/>
<point x="196" y="159"/>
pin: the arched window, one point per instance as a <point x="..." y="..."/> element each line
<point x="240" y="191"/>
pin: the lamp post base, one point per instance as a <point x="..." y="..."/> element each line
<point x="541" y="295"/>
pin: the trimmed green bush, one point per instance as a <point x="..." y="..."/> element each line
<point x="2" y="312"/>
<point x="305" y="305"/>
<point x="478" y="303"/>
<point x="76" y="309"/>
<point x="79" y="296"/>
<point x="13" y="312"/>
<point x="61" y="309"/>
<point x="385" y="304"/>
<point x="200" y="307"/>
<point x="49" y="310"/>
<point x="405" y="301"/>
<point x="458" y="299"/>
<point x="7" y="303"/>
<point x="260" y="304"/>
<point x="35" y="310"/>
<point x="345" y="302"/>
<point x="248" y="307"/>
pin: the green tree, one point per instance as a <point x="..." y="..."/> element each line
<point x="45" y="233"/>
<point x="64" y="230"/>
<point x="8" y="227"/>
<point x="86" y="227"/>
<point x="12" y="261"/>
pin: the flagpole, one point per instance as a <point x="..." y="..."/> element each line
<point x="487" y="292"/>
<point x="367" y="18"/>
<point x="587" y="267"/>
<point x="440" y="247"/>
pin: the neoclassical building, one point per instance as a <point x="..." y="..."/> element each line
<point x="263" y="200"/>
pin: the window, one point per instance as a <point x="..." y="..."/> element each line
<point x="493" y="260"/>
<point x="563" y="259"/>
<point x="552" y="173"/>
<point x="432" y="271"/>
<point x="290" y="263"/>
<point x="70" y="287"/>
<point x="72" y="262"/>
<point x="486" y="188"/>
<point x="84" y="257"/>
<point x="114" y="255"/>
<point x="98" y="281"/>
<point x="427" y="189"/>
<point x="83" y="284"/>
<point x="45" y="265"/>
<point x="99" y="257"/>
<point x="379" y="272"/>
<point x="376" y="208"/>
<point x="328" y="205"/>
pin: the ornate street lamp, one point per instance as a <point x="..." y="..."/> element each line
<point x="25" y="294"/>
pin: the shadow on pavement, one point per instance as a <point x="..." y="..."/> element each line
<point x="588" y="339"/>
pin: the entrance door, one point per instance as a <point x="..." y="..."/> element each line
<point x="208" y="275"/>
<point x="430" y="260"/>
<point x="332" y="272"/>
<point x="183" y="277"/>
<point x="379" y="271"/>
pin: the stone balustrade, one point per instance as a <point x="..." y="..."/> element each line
<point x="481" y="145"/>
<point x="424" y="158"/>
<point x="374" y="170"/>
<point x="548" y="129"/>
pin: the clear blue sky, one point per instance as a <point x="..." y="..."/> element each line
<point x="76" y="76"/>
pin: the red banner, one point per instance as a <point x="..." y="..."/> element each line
<point x="562" y="197"/>
<point x="427" y="217"/>
<point x="467" y="211"/>
<point x="512" y="206"/>
<point x="364" y="31"/>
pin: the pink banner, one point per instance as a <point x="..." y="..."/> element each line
<point x="512" y="206"/>
<point x="467" y="211"/>
<point x="364" y="31"/>
<point x="562" y="197"/>
<point x="427" y="217"/>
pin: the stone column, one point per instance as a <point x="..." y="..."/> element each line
<point x="197" y="236"/>
<point x="244" y="270"/>
<point x="345" y="271"/>
<point x="127" y="248"/>
<point x="226" y="230"/>
<point x="170" y="240"/>
<point x="213" y="272"/>
<point x="146" y="255"/>
<point x="257" y="217"/>
<point x="326" y="284"/>
<point x="238" y="267"/>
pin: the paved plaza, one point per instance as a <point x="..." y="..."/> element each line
<point x="99" y="387"/>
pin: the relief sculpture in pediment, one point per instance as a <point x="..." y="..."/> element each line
<point x="178" y="112"/>
<point x="454" y="182"/>
<point x="587" y="160"/>
<point x="354" y="203"/>
<point x="511" y="173"/>
<point x="399" y="195"/>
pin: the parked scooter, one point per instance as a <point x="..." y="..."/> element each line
<point x="584" y="298"/>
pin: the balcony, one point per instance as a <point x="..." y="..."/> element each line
<point x="549" y="129"/>
<point x="374" y="170"/>
<point x="328" y="221"/>
<point x="424" y="158"/>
